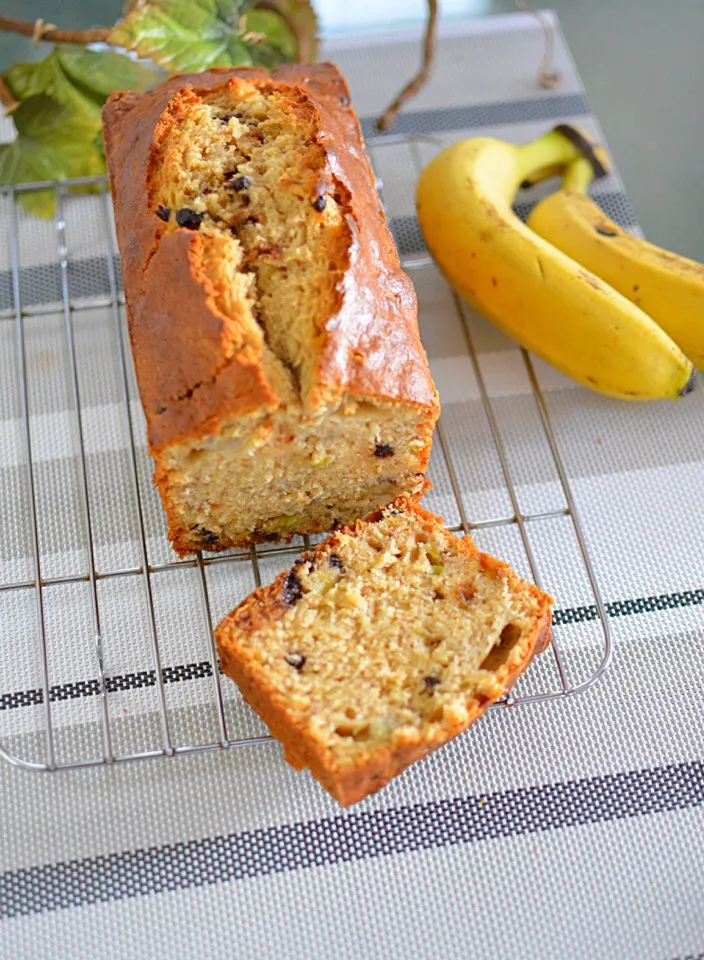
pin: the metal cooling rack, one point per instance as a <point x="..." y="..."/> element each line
<point x="163" y="742"/>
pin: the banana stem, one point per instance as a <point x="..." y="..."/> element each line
<point x="551" y="150"/>
<point x="556" y="170"/>
<point x="578" y="176"/>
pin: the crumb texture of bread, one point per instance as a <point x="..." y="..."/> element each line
<point x="384" y="643"/>
<point x="274" y="334"/>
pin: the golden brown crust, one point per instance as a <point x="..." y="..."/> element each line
<point x="372" y="348"/>
<point x="189" y="386"/>
<point x="374" y="771"/>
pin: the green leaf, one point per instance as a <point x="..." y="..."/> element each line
<point x="230" y="10"/>
<point x="179" y="35"/>
<point x="99" y="144"/>
<point x="98" y="73"/>
<point x="278" y="36"/>
<point x="239" y="53"/>
<point x="48" y="77"/>
<point x="53" y="143"/>
<point x="80" y="79"/>
<point x="193" y="35"/>
<point x="301" y="13"/>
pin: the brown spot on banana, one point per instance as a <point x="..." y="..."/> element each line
<point x="690" y="385"/>
<point x="586" y="148"/>
<point x="589" y="279"/>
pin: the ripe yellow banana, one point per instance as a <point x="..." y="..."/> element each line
<point x="669" y="288"/>
<point x="535" y="293"/>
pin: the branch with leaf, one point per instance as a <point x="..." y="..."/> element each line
<point x="55" y="103"/>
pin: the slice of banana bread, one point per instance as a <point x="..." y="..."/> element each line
<point x="383" y="643"/>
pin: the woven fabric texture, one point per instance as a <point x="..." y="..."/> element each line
<point x="571" y="828"/>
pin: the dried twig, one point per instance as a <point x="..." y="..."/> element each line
<point x="7" y="98"/>
<point x="302" y="39"/>
<point x="389" y="115"/>
<point x="548" y="74"/>
<point x="38" y="30"/>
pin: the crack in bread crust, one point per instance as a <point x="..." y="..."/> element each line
<point x="243" y="165"/>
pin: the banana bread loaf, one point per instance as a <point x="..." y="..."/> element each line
<point x="274" y="334"/>
<point x="382" y="644"/>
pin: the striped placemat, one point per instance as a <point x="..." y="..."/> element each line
<point x="570" y="829"/>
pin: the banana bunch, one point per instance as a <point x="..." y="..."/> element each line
<point x="612" y="312"/>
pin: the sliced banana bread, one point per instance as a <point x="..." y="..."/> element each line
<point x="383" y="643"/>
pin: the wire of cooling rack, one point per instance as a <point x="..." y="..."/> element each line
<point x="145" y="571"/>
